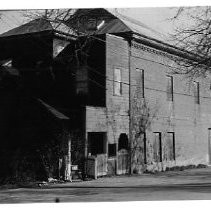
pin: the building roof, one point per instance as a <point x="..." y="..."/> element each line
<point x="37" y="25"/>
<point x="116" y="22"/>
<point x="137" y="26"/>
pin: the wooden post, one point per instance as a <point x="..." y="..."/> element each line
<point x="68" y="175"/>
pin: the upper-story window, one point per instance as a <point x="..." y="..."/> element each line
<point x="117" y="82"/>
<point x="140" y="82"/>
<point x="196" y="93"/>
<point x="170" y="88"/>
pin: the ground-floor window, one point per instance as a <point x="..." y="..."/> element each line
<point x="111" y="150"/>
<point x="157" y="147"/>
<point x="96" y="143"/>
<point x="170" y="146"/>
<point x="145" y="147"/>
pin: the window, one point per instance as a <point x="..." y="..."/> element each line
<point x="140" y="82"/>
<point x="117" y="82"/>
<point x="157" y="147"/>
<point x="111" y="150"/>
<point x="143" y="139"/>
<point x="145" y="148"/>
<point x="123" y="141"/>
<point x="169" y="89"/>
<point x="170" y="146"/>
<point x="196" y="93"/>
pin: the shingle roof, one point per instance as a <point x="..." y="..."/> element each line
<point x="126" y="24"/>
<point x="115" y="23"/>
<point x="118" y="23"/>
<point x="37" y="25"/>
<point x="113" y="26"/>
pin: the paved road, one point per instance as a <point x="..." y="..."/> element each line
<point x="192" y="184"/>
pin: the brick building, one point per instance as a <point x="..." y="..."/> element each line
<point x="123" y="108"/>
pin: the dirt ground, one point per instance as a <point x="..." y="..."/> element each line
<point x="193" y="184"/>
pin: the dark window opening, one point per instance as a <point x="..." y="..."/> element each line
<point x="140" y="82"/>
<point x="196" y="93"/>
<point x="111" y="150"/>
<point x="157" y="147"/>
<point x="170" y="144"/>
<point x="170" y="89"/>
<point x="145" y="148"/>
<point x="123" y="141"/>
<point x="96" y="143"/>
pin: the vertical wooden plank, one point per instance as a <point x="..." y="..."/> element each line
<point x="68" y="176"/>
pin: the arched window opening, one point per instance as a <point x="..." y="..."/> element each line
<point x="123" y="141"/>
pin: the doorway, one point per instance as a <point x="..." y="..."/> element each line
<point x="97" y="143"/>
<point x="97" y="148"/>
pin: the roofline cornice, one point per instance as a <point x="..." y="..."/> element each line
<point x="166" y="48"/>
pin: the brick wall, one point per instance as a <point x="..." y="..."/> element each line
<point x="113" y="118"/>
<point x="189" y="121"/>
<point x="117" y="55"/>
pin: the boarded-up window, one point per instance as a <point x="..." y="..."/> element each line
<point x="140" y="82"/>
<point x="117" y="82"/>
<point x="170" y="146"/>
<point x="196" y="93"/>
<point x="169" y="89"/>
<point x="157" y="147"/>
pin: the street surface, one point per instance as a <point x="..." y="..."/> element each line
<point x="193" y="184"/>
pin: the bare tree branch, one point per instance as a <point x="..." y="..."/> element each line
<point x="195" y="38"/>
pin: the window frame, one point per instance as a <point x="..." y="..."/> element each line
<point x="117" y="82"/>
<point x="160" y="147"/>
<point x="196" y="92"/>
<point x="109" y="154"/>
<point x="170" y="90"/>
<point x="141" y="71"/>
<point x="173" y="146"/>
